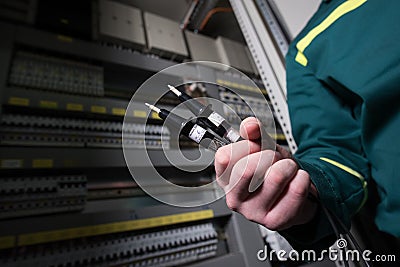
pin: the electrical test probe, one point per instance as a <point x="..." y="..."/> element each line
<point x="190" y="129"/>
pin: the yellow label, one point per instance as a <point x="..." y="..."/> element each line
<point x="42" y="163"/>
<point x="241" y="86"/>
<point x="139" y="113"/>
<point x="154" y="115"/>
<point x="70" y="163"/>
<point x="48" y="104"/>
<point x="11" y="163"/>
<point x="7" y="242"/>
<point x="118" y="111"/>
<point x="98" y="109"/>
<point x="18" y="101"/>
<point x="74" y="107"/>
<point x="109" y="228"/>
<point x="64" y="38"/>
<point x="278" y="136"/>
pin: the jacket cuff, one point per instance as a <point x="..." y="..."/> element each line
<point x="328" y="195"/>
<point x="318" y="233"/>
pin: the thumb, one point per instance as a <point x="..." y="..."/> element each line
<point x="252" y="129"/>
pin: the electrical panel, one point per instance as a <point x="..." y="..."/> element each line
<point x="164" y="36"/>
<point x="120" y="22"/>
<point x="67" y="196"/>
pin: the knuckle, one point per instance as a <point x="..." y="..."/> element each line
<point x="276" y="221"/>
<point x="281" y="172"/>
<point x="290" y="165"/>
<point x="232" y="203"/>
<point x="250" y="216"/>
<point x="272" y="224"/>
<point x="222" y="157"/>
<point x="298" y="192"/>
<point x="275" y="178"/>
<point x="299" y="187"/>
<point x="242" y="169"/>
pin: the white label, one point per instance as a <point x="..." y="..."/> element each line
<point x="197" y="133"/>
<point x="216" y="119"/>
<point x="232" y="135"/>
<point x="10" y="163"/>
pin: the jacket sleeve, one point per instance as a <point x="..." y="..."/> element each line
<point x="326" y="128"/>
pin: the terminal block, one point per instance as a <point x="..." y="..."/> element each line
<point x="30" y="130"/>
<point x="25" y="196"/>
<point x="36" y="71"/>
<point x="171" y="247"/>
<point x="241" y="107"/>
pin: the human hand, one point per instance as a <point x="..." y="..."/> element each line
<point x="281" y="199"/>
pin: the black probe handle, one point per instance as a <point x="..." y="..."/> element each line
<point x="172" y="119"/>
<point x="192" y="104"/>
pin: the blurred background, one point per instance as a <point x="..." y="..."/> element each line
<point x="68" y="71"/>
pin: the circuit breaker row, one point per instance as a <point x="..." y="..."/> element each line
<point x="37" y="71"/>
<point x="179" y="258"/>
<point x="162" y="248"/>
<point x="55" y="131"/>
<point x="25" y="196"/>
<point x="238" y="108"/>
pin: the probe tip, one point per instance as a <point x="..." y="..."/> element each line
<point x="152" y="107"/>
<point x="173" y="89"/>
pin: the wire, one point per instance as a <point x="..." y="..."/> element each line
<point x="340" y="230"/>
<point x="186" y="19"/>
<point x="211" y="13"/>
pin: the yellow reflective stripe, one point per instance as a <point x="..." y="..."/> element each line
<point x="343" y="167"/>
<point x="353" y="172"/>
<point x="341" y="10"/>
<point x="365" y="196"/>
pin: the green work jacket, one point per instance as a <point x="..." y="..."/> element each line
<point x="343" y="84"/>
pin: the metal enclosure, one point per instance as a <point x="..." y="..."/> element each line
<point x="289" y="15"/>
<point x="121" y="21"/>
<point x="234" y="54"/>
<point x="202" y="47"/>
<point x="164" y="35"/>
